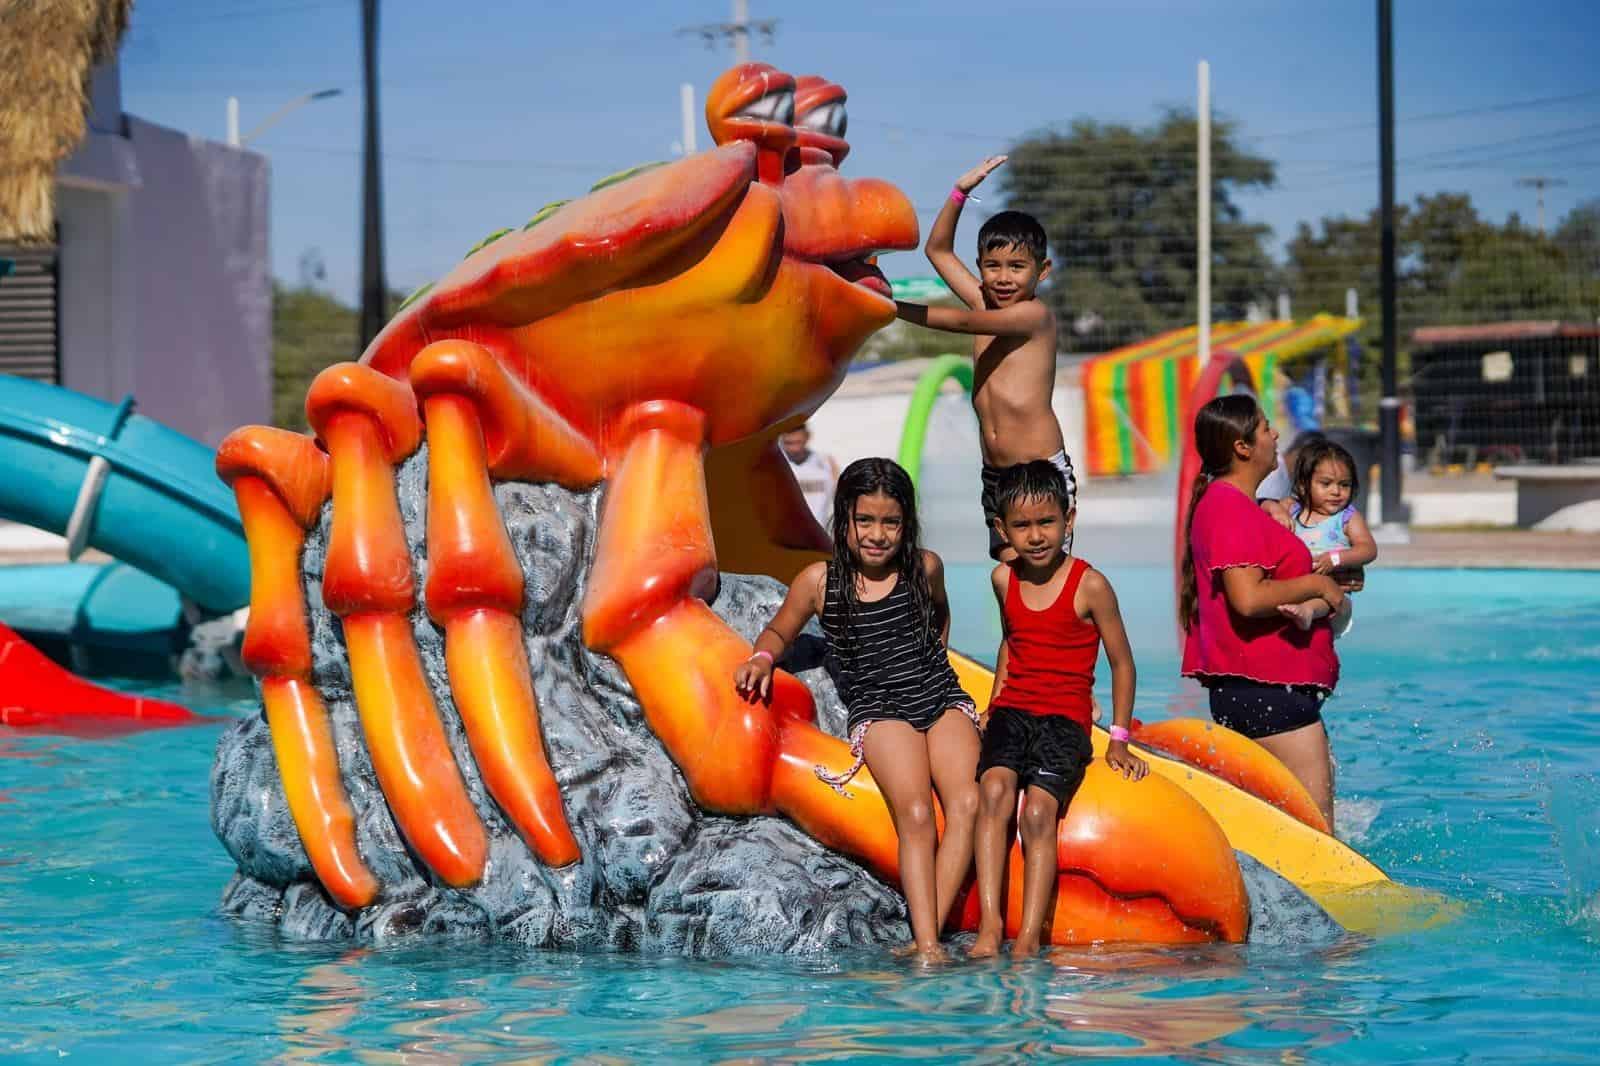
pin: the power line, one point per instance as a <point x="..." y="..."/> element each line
<point x="1438" y="116"/>
<point x="390" y="155"/>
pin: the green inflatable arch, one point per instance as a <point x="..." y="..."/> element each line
<point x="915" y="430"/>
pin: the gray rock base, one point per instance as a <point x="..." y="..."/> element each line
<point x="658" y="874"/>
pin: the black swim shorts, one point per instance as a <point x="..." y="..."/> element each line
<point x="1261" y="710"/>
<point x="991" y="482"/>
<point x="1048" y="751"/>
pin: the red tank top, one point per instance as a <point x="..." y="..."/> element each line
<point x="1050" y="654"/>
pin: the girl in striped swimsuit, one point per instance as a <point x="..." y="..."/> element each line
<point x="883" y="609"/>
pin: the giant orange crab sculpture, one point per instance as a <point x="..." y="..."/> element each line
<point x="656" y="336"/>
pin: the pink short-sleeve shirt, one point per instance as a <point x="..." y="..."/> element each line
<point x="1230" y="530"/>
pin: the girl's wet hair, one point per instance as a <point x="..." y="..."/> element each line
<point x="867" y="477"/>
<point x="1039" y="479"/>
<point x="1305" y="466"/>
<point x="1218" y="426"/>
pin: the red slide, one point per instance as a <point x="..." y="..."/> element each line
<point x="35" y="692"/>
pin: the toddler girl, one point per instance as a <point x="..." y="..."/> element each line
<point x="1322" y="516"/>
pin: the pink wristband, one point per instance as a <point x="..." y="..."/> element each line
<point x="762" y="652"/>
<point x="958" y="196"/>
<point x="1119" y="733"/>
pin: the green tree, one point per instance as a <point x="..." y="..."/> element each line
<point x="1118" y="205"/>
<point x="1451" y="266"/>
<point x="1579" y="237"/>
<point x="310" y="331"/>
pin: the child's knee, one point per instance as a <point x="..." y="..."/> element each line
<point x="963" y="805"/>
<point x="1039" y="817"/>
<point x="915" y="818"/>
<point x="999" y="797"/>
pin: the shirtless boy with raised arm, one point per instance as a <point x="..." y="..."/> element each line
<point x="1013" y="338"/>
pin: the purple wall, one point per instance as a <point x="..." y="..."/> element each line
<point x="165" y="284"/>
<point x="202" y="288"/>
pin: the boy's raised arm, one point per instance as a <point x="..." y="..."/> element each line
<point x="941" y="246"/>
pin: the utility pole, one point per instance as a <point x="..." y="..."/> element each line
<point x="737" y="31"/>
<point x="374" y="286"/>
<point x="1389" y="404"/>
<point x="1538" y="184"/>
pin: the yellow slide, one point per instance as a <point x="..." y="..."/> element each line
<point x="1356" y="893"/>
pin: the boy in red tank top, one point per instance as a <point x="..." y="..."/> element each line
<point x="1057" y="611"/>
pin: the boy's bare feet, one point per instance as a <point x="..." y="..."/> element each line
<point x="1302" y="614"/>
<point x="987" y="946"/>
<point x="936" y="953"/>
<point x="1024" y="949"/>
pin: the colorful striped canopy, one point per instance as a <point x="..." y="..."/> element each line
<point x="1133" y="397"/>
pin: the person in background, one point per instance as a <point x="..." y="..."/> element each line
<point x="817" y="473"/>
<point x="1266" y="677"/>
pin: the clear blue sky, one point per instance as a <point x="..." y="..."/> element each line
<point x="491" y="108"/>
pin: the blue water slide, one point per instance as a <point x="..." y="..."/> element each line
<point x="106" y="478"/>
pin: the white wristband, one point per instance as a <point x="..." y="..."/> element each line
<point x="1333" y="557"/>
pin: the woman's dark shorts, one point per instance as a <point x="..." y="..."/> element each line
<point x="1048" y="751"/>
<point x="1261" y="710"/>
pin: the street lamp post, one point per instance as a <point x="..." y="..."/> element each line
<point x="236" y="141"/>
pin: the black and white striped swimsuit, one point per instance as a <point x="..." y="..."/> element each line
<point x="887" y="667"/>
<point x="886" y="664"/>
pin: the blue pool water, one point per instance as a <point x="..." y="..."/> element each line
<point x="1468" y="737"/>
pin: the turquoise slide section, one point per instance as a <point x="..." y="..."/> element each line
<point x="109" y="479"/>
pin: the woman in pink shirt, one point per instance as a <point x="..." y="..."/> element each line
<point x="1267" y="678"/>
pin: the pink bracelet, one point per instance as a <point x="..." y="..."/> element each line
<point x="762" y="651"/>
<point x="1119" y="733"/>
<point x="958" y="196"/>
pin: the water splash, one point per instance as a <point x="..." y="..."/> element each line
<point x="1574" y="809"/>
<point x="1352" y="818"/>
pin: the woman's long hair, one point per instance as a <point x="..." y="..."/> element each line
<point x="1305" y="467"/>
<point x="1218" y="426"/>
<point x="864" y="477"/>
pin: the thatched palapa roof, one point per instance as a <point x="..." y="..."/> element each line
<point x="48" y="50"/>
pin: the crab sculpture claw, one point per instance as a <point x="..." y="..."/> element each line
<point x="652" y="338"/>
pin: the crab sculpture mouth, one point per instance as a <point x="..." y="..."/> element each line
<point x="862" y="271"/>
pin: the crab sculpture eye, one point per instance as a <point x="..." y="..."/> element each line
<point x="830" y="119"/>
<point x="772" y="107"/>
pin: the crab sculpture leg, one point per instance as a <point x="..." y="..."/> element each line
<point x="654" y="338"/>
